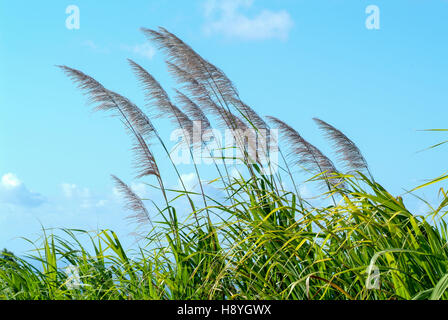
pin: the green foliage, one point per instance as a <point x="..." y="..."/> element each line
<point x="7" y="255"/>
<point x="269" y="247"/>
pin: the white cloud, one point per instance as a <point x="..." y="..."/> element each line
<point x="14" y="192"/>
<point x="68" y="189"/>
<point x="81" y="196"/>
<point x="101" y="203"/>
<point x="92" y="45"/>
<point x="73" y="191"/>
<point x="10" y="181"/>
<point x="140" y="189"/>
<point x="225" y="17"/>
<point x="116" y="192"/>
<point x="144" y="50"/>
<point x="190" y="181"/>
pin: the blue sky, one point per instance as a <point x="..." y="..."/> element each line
<point x="289" y="58"/>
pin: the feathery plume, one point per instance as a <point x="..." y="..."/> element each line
<point x="193" y="111"/>
<point x="135" y="115"/>
<point x="201" y="74"/>
<point x="309" y="156"/>
<point x="157" y="96"/>
<point x="177" y="51"/>
<point x="199" y="92"/>
<point x="134" y="119"/>
<point x="232" y="121"/>
<point x="144" y="161"/>
<point x="201" y="123"/>
<point x="346" y="149"/>
<point x="185" y="57"/>
<point x="252" y="118"/>
<point x="109" y="100"/>
<point x="95" y="92"/>
<point x="263" y="134"/>
<point x="132" y="202"/>
<point x="187" y="81"/>
<point x="155" y="93"/>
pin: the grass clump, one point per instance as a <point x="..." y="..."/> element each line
<point x="261" y="240"/>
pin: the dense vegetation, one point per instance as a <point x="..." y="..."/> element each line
<point x="263" y="240"/>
